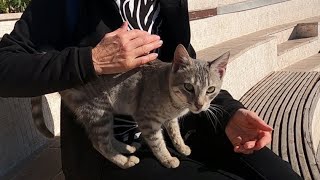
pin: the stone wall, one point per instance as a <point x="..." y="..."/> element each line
<point x="7" y="22"/>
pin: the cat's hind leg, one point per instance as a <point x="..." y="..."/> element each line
<point x="100" y="130"/>
<point x="125" y="148"/>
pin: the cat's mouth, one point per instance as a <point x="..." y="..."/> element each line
<point x="196" y="111"/>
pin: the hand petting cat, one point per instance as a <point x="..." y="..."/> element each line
<point x="123" y="50"/>
<point x="248" y="132"/>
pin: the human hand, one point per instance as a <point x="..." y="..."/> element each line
<point x="122" y="50"/>
<point x="248" y="132"/>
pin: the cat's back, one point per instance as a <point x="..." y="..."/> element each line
<point x="126" y="81"/>
<point x="133" y="75"/>
<point x="125" y="89"/>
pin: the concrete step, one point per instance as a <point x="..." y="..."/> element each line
<point x="302" y="42"/>
<point x="213" y="27"/>
<point x="296" y="30"/>
<point x="311" y="63"/>
<point x="241" y="5"/>
<point x="265" y="51"/>
<point x="296" y="36"/>
<point x="294" y="44"/>
<point x="251" y="59"/>
<point x="283" y="34"/>
<point x="292" y="51"/>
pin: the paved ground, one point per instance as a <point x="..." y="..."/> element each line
<point x="45" y="165"/>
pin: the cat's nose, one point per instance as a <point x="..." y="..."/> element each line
<point x="199" y="105"/>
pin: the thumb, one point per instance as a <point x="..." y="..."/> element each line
<point x="258" y="122"/>
<point x="124" y="26"/>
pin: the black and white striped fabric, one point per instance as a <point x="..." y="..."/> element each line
<point x="143" y="15"/>
<point x="125" y="128"/>
<point x="140" y="14"/>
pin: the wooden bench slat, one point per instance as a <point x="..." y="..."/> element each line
<point x="282" y="119"/>
<point x="273" y="87"/>
<point x="281" y="104"/>
<point x="270" y="96"/>
<point x="262" y="87"/>
<point x="257" y="88"/>
<point x="295" y="149"/>
<point x="316" y="97"/>
<point x="309" y="110"/>
<point x="272" y="103"/>
<point x="290" y="135"/>
<point x="305" y="91"/>
<point x="273" y="98"/>
<point x="271" y="92"/>
<point x="287" y="102"/>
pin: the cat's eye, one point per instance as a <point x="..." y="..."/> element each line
<point x="188" y="87"/>
<point x="211" y="90"/>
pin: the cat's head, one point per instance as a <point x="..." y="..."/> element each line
<point x="195" y="83"/>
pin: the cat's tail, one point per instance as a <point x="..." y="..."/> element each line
<point x="38" y="118"/>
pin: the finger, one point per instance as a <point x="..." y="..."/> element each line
<point x="236" y="149"/>
<point x="141" y="41"/>
<point x="259" y="123"/>
<point x="124" y="26"/>
<point x="264" y="139"/>
<point x="145" y="59"/>
<point x="236" y="141"/>
<point x="241" y="149"/>
<point x="142" y="50"/>
<point x="249" y="145"/>
<point x="130" y="35"/>
<point x="247" y="152"/>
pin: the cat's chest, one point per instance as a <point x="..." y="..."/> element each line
<point x="184" y="112"/>
<point x="169" y="112"/>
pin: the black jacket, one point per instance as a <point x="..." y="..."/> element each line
<point x="41" y="55"/>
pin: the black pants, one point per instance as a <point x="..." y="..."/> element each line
<point x="212" y="158"/>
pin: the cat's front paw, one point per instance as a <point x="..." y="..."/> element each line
<point x="132" y="160"/>
<point x="173" y="162"/>
<point x="185" y="150"/>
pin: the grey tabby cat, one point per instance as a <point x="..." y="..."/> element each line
<point x="155" y="95"/>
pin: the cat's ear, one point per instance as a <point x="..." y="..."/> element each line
<point x="181" y="58"/>
<point x="220" y="64"/>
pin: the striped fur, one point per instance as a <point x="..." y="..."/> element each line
<point x="38" y="118"/>
<point x="155" y="95"/>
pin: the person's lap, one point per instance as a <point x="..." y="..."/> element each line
<point x="211" y="158"/>
<point x="149" y="168"/>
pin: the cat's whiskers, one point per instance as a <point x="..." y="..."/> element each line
<point x="210" y="119"/>
<point x="219" y="108"/>
<point x="120" y="126"/>
<point x="122" y="133"/>
<point x="216" y="109"/>
<point x="210" y="112"/>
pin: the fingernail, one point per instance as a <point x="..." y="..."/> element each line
<point x="160" y="42"/>
<point x="155" y="55"/>
<point x="156" y="37"/>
